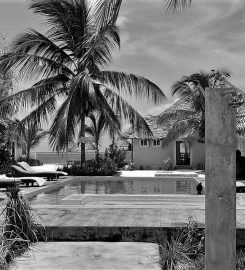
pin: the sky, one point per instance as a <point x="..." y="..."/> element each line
<point x="162" y="46"/>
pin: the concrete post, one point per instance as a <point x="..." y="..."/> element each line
<point x="220" y="200"/>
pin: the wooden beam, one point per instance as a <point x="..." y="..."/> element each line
<point x="220" y="199"/>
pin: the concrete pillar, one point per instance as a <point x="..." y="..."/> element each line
<point x="220" y="200"/>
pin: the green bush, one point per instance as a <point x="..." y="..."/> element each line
<point x="130" y="166"/>
<point x="31" y="161"/>
<point x="103" y="166"/>
<point x="184" y="250"/>
<point x="19" y="228"/>
<point x="168" y="164"/>
<point x="5" y="161"/>
<point x="117" y="155"/>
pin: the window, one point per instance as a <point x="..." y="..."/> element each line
<point x="144" y="143"/>
<point x="156" y="142"/>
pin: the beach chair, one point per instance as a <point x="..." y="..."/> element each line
<point x="20" y="172"/>
<point x="8" y="182"/>
<point x="41" y="169"/>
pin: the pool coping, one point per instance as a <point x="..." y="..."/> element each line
<point x="63" y="181"/>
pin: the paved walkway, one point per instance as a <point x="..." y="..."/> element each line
<point x="91" y="256"/>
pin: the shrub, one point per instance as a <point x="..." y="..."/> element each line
<point x="184" y="250"/>
<point x="117" y="155"/>
<point x="200" y="166"/>
<point x="130" y="166"/>
<point x="5" y="161"/>
<point x="102" y="166"/>
<point x="168" y="164"/>
<point x="19" y="229"/>
<point x="31" y="161"/>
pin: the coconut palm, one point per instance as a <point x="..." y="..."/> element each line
<point x="69" y="64"/>
<point x="187" y="116"/>
<point x="30" y="135"/>
<point x="96" y="129"/>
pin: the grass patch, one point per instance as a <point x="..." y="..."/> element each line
<point x="20" y="227"/>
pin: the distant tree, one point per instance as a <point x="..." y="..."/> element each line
<point x="29" y="135"/>
<point x="189" y="119"/>
<point x="69" y="64"/>
<point x="6" y="89"/>
<point x="96" y="129"/>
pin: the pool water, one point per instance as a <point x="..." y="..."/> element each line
<point x="145" y="186"/>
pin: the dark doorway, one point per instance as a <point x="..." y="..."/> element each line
<point x="182" y="153"/>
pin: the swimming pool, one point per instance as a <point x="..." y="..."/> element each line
<point x="132" y="186"/>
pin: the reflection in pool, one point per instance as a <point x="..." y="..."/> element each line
<point x="145" y="186"/>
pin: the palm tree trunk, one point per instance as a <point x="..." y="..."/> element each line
<point x="28" y="154"/>
<point x="82" y="134"/>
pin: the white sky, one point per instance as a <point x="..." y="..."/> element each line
<point x="160" y="46"/>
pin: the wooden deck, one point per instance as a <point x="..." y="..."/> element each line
<point x="169" y="211"/>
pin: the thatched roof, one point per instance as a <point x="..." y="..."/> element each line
<point x="160" y="131"/>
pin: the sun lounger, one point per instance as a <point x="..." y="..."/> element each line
<point x="20" y="172"/>
<point x="8" y="182"/>
<point x="40" y="169"/>
<point x="25" y="180"/>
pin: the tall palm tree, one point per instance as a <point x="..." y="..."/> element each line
<point x="68" y="63"/>
<point x="96" y="129"/>
<point x="188" y="115"/>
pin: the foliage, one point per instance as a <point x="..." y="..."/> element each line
<point x="103" y="166"/>
<point x="31" y="135"/>
<point x="30" y="161"/>
<point x="184" y="248"/>
<point x="19" y="229"/>
<point x="117" y="155"/>
<point x="168" y="164"/>
<point x="5" y="161"/>
<point x="188" y="118"/>
<point x="5" y="156"/>
<point x="240" y="259"/>
<point x="130" y="166"/>
<point x="177" y="5"/>
<point x="97" y="128"/>
<point x="69" y="64"/>
<point x="200" y="166"/>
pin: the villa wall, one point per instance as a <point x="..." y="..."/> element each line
<point x="150" y="156"/>
<point x="197" y="155"/>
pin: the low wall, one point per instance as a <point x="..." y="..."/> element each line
<point x="124" y="234"/>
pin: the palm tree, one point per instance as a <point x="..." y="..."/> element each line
<point x="187" y="116"/>
<point x="30" y="135"/>
<point x="97" y="128"/>
<point x="69" y="64"/>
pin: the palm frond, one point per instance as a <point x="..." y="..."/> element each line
<point x="63" y="129"/>
<point x="132" y="84"/>
<point x="35" y="95"/>
<point x="38" y="138"/>
<point x="42" y="113"/>
<point x="33" y="42"/>
<point x="100" y="45"/>
<point x="177" y="5"/>
<point x="106" y="12"/>
<point x="31" y="66"/>
<point x="124" y="110"/>
<point x="67" y="19"/>
<point x="179" y="129"/>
